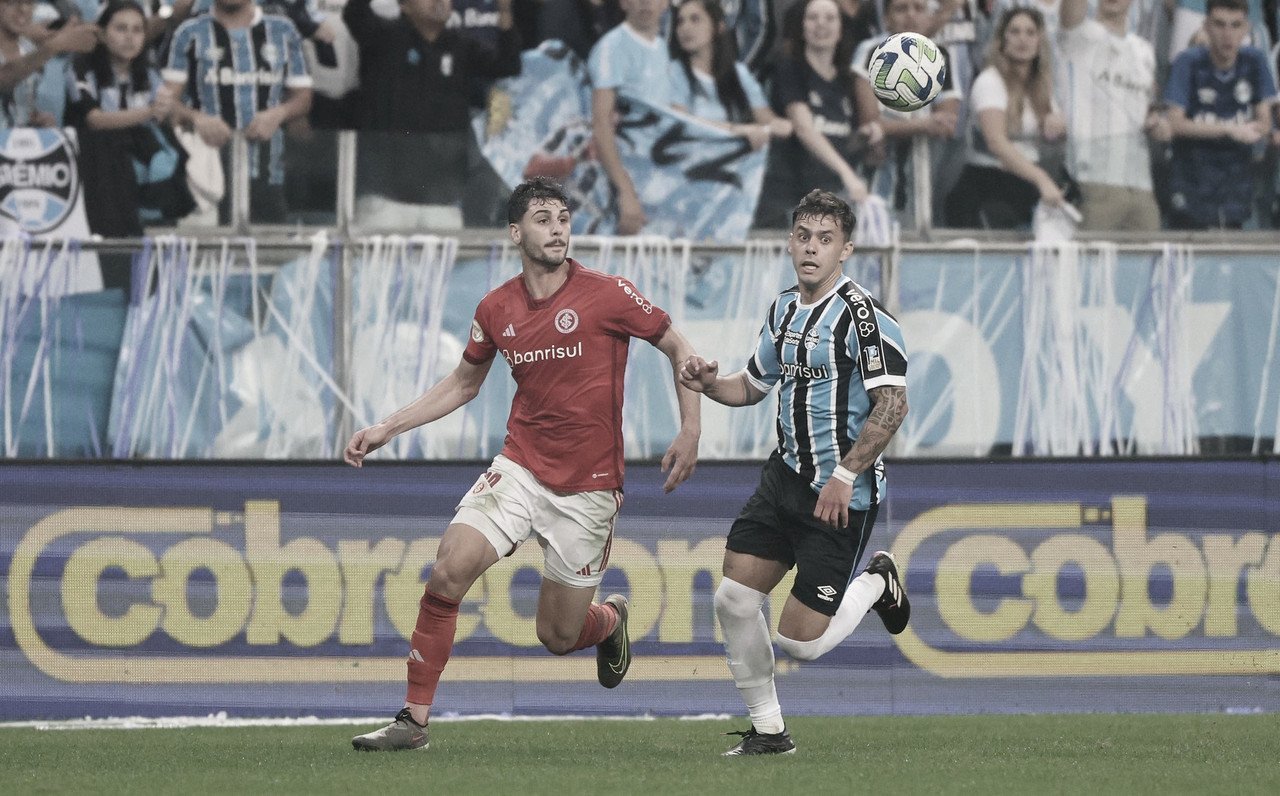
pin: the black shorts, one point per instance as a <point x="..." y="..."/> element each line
<point x="777" y="524"/>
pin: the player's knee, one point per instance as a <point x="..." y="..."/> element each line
<point x="555" y="640"/>
<point x="734" y="600"/>
<point x="800" y="650"/>
<point x="447" y="580"/>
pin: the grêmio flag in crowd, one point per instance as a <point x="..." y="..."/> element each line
<point x="695" y="181"/>
<point x="41" y="197"/>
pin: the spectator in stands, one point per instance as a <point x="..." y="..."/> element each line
<point x="893" y="180"/>
<point x="131" y="165"/>
<point x="707" y="82"/>
<point x="955" y="25"/>
<point x="578" y="23"/>
<point x="121" y="109"/>
<point x="751" y="24"/>
<point x="1187" y="25"/>
<point x="1110" y="78"/>
<point x="835" y="118"/>
<point x="304" y="14"/>
<point x="22" y="60"/>
<point x="485" y="197"/>
<point x="859" y="21"/>
<point x="1050" y="10"/>
<point x="1218" y="97"/>
<point x="170" y="14"/>
<point x="630" y="59"/>
<point x="47" y="18"/>
<point x="412" y="109"/>
<point x="213" y="58"/>
<point x="1013" y="116"/>
<point x="49" y="15"/>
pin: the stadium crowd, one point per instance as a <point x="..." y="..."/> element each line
<point x="1143" y="114"/>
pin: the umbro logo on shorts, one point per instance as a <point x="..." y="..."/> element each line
<point x="826" y="593"/>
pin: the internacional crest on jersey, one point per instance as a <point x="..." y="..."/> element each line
<point x="568" y="357"/>
<point x="826" y="357"/>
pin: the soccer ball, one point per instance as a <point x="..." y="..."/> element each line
<point x="906" y="71"/>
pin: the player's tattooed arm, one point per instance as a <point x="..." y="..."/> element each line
<point x="888" y="410"/>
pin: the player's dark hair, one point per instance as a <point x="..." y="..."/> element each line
<point x="1227" y="5"/>
<point x="824" y="204"/>
<point x="536" y="189"/>
<point x="98" y="60"/>
<point x="724" y="62"/>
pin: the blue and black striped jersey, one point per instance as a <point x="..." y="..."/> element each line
<point x="235" y="73"/>
<point x="827" y="356"/>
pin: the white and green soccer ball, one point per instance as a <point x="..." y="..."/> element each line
<point x="906" y="71"/>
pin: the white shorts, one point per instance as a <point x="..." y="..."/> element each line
<point x="508" y="505"/>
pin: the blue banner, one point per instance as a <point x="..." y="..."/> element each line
<point x="1089" y="350"/>
<point x="694" y="180"/>
<point x="286" y="590"/>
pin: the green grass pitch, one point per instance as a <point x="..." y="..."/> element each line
<point x="1093" y="754"/>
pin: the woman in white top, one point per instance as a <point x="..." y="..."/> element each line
<point x="709" y="83"/>
<point x="1013" y="116"/>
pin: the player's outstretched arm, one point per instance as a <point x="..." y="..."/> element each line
<point x="682" y="457"/>
<point x="699" y="375"/>
<point x="446" y="395"/>
<point x="888" y="410"/>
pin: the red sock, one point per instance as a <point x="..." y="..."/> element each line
<point x="600" y="622"/>
<point x="431" y="645"/>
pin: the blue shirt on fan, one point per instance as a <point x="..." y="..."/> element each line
<point x="827" y="356"/>
<point x="629" y="63"/>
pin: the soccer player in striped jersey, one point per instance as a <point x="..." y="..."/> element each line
<point x="840" y="363"/>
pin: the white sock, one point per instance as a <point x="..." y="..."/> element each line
<point x="858" y="599"/>
<point x="740" y="610"/>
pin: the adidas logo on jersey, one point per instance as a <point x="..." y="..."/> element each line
<point x="510" y="331"/>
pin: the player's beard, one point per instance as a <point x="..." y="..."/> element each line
<point x="540" y="255"/>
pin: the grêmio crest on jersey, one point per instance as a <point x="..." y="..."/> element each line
<point x="840" y="333"/>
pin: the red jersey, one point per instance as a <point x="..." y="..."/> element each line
<point x="568" y="356"/>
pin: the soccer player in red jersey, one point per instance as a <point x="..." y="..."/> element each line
<point x="565" y="330"/>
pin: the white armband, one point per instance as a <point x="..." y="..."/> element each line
<point x="843" y="474"/>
